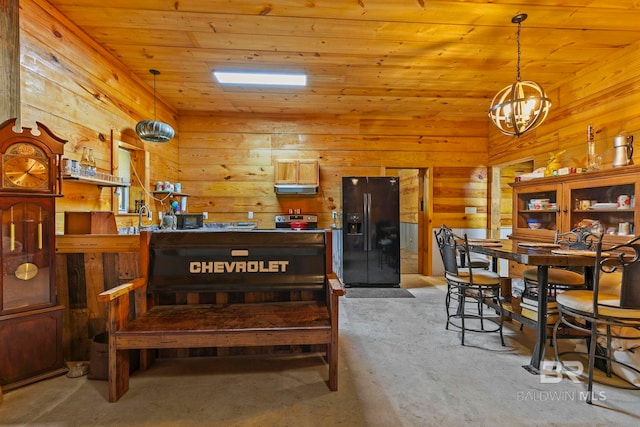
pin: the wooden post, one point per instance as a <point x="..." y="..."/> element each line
<point x="10" y="61"/>
<point x="495" y="199"/>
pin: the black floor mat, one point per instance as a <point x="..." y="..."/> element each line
<point x="378" y="293"/>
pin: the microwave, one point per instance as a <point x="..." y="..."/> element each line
<point x="188" y="221"/>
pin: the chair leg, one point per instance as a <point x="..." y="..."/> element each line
<point x="447" y="303"/>
<point x="480" y="308"/>
<point x="501" y="320"/>
<point x="592" y="358"/>
<point x="459" y="293"/>
<point x="462" y="303"/>
<point x="609" y="353"/>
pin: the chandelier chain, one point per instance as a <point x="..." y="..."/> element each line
<point x="519" y="53"/>
<point x="155" y="73"/>
<point x="154" y="89"/>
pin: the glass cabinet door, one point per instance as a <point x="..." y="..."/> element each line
<point x="608" y="207"/>
<point x="536" y="208"/>
<point x="26" y="274"/>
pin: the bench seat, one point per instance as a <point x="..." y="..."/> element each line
<point x="289" y="298"/>
<point x="208" y="325"/>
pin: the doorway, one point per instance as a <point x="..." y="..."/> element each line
<point x="412" y="203"/>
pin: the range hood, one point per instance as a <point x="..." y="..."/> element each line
<point x="296" y="189"/>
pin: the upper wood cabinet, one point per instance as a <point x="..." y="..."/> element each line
<point x="563" y="202"/>
<point x="297" y="172"/>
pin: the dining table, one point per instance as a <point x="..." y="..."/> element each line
<point x="540" y="255"/>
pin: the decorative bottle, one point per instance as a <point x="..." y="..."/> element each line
<point x="85" y="165"/>
<point x="92" y="164"/>
<point x="593" y="158"/>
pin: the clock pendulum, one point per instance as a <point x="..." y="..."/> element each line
<point x="27" y="270"/>
<point x="40" y="228"/>
<point x="12" y="235"/>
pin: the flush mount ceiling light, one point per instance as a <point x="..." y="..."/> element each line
<point x="260" y="78"/>
<point x="152" y="130"/>
<point x="522" y="106"/>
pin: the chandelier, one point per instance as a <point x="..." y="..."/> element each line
<point x="152" y="130"/>
<point x="521" y="106"/>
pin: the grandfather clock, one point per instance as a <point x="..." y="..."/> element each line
<point x="30" y="319"/>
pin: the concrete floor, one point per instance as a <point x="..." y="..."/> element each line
<point x="398" y="367"/>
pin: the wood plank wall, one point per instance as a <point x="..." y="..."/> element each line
<point x="227" y="161"/>
<point x="409" y="194"/>
<point x="83" y="95"/>
<point x="606" y="96"/>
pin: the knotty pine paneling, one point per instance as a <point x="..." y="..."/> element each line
<point x="507" y="175"/>
<point x="414" y="143"/>
<point x="224" y="161"/>
<point x="409" y="193"/>
<point x="454" y="189"/>
<point x="83" y="94"/>
<point x="606" y="96"/>
<point x="227" y="160"/>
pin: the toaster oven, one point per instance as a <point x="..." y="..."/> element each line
<point x="187" y="221"/>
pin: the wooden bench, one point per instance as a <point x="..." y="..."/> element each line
<point x="224" y="289"/>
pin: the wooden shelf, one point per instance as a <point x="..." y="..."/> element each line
<point x="513" y="311"/>
<point x="113" y="182"/>
<point x="170" y="194"/>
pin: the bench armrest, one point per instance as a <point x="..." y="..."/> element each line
<point x="335" y="286"/>
<point x="118" y="291"/>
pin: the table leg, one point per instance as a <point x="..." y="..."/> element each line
<point x="588" y="277"/>
<point x="541" y="336"/>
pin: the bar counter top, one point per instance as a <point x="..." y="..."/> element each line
<point x="78" y="243"/>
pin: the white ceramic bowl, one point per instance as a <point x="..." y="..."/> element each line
<point x="534" y="225"/>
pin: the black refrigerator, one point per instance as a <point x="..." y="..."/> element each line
<point x="371" y="231"/>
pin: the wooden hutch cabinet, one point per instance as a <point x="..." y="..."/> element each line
<point x="562" y="202"/>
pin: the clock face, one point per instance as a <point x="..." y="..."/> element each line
<point x="25" y="166"/>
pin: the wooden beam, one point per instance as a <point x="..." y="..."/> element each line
<point x="10" y="61"/>
<point x="495" y="200"/>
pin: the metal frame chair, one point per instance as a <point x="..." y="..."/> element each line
<point x="604" y="313"/>
<point x="467" y="283"/>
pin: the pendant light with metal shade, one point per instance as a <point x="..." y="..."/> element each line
<point x="521" y="106"/>
<point x="152" y="130"/>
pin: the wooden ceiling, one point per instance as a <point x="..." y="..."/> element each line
<point x="425" y="58"/>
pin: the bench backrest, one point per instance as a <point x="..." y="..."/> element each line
<point x="245" y="261"/>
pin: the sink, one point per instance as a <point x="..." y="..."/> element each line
<point x="134" y="229"/>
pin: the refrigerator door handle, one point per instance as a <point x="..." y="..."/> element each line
<point x="367" y="220"/>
